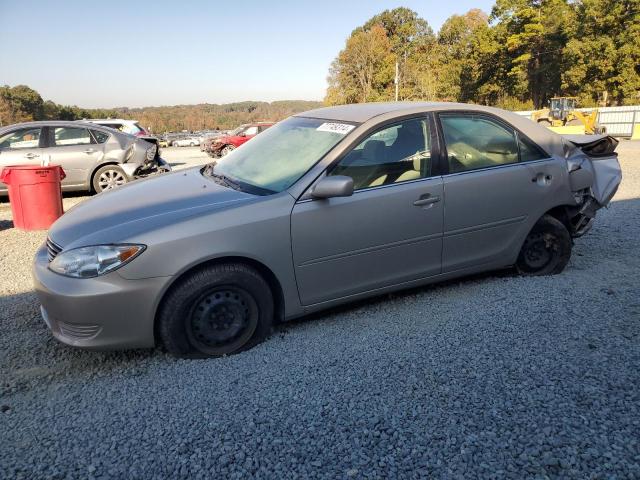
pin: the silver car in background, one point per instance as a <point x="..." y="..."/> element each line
<point x="326" y="207"/>
<point x="94" y="158"/>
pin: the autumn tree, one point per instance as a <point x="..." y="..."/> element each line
<point x="364" y="70"/>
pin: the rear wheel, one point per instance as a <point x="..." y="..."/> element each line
<point x="227" y="149"/>
<point x="546" y="250"/>
<point x="216" y="311"/>
<point x="109" y="177"/>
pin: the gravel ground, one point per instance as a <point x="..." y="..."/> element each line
<point x="488" y="377"/>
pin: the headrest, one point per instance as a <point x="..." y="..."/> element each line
<point x="373" y="149"/>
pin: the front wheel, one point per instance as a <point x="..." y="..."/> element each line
<point x="216" y="311"/>
<point x="108" y="178"/>
<point x="546" y="250"/>
<point x="227" y="149"/>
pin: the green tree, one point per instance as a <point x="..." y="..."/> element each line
<point x="603" y="54"/>
<point x="363" y="71"/>
<point x="533" y="34"/>
<point x="458" y="47"/>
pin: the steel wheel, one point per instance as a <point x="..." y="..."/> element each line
<point x="109" y="179"/>
<point x="538" y="250"/>
<point x="546" y="250"/>
<point x="221" y="320"/>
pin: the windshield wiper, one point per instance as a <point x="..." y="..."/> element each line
<point x="220" y="178"/>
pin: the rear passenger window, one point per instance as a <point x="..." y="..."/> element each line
<point x="67" y="136"/>
<point x="530" y="151"/>
<point x="100" y="137"/>
<point x="477" y="142"/>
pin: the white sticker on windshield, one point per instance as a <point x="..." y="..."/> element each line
<point x="341" y="128"/>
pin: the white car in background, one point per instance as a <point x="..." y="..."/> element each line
<point x="132" y="127"/>
<point x="186" y="142"/>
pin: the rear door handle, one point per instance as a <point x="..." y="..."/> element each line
<point x="426" y="200"/>
<point x="31" y="155"/>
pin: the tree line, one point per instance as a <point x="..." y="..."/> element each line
<point x="517" y="57"/>
<point x="22" y="104"/>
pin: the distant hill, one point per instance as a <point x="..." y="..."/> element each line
<point x="211" y="116"/>
<point x="23" y="104"/>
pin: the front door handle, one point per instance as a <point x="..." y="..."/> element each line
<point x="426" y="200"/>
<point x="89" y="150"/>
<point x="31" y="155"/>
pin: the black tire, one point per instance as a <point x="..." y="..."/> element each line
<point x="215" y="311"/>
<point x="545" y="122"/>
<point x="546" y="250"/>
<point x="108" y="177"/>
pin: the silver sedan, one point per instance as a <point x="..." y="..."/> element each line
<point x="93" y="157"/>
<point x="326" y="207"/>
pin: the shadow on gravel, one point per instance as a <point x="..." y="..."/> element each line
<point x="6" y="224"/>
<point x="30" y="356"/>
<point x="283" y="327"/>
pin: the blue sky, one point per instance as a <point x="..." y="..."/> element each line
<point x="135" y="53"/>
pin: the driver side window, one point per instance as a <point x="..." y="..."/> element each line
<point x="395" y="154"/>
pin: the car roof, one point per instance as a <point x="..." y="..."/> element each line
<point x="363" y="112"/>
<point x="55" y="123"/>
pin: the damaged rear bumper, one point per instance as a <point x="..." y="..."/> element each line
<point x="155" y="167"/>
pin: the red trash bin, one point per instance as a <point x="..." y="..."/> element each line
<point x="35" y="195"/>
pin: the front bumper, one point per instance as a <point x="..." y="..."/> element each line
<point x="106" y="312"/>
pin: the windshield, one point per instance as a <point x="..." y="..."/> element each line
<point x="237" y="130"/>
<point x="277" y="158"/>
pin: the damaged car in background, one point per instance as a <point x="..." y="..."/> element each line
<point x="93" y="157"/>
<point x="324" y="208"/>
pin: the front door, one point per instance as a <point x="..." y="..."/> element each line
<point x="20" y="147"/>
<point x="499" y="184"/>
<point x="76" y="151"/>
<point x="388" y="232"/>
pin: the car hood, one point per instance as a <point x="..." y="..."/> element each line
<point x="143" y="205"/>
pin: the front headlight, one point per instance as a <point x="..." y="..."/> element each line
<point x="88" y="262"/>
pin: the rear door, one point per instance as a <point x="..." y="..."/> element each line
<point x="77" y="151"/>
<point x="21" y="147"/>
<point x="498" y="184"/>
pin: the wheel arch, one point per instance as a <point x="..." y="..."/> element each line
<point x="271" y="279"/>
<point x="98" y="167"/>
<point x="560" y="213"/>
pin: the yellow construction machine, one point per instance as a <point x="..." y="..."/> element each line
<point x="563" y="112"/>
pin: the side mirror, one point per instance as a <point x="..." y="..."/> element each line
<point x="333" y="186"/>
<point x="242" y="134"/>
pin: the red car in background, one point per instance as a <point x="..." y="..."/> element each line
<point x="227" y="143"/>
